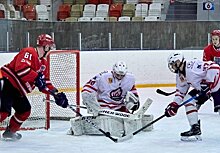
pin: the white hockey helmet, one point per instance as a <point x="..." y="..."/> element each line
<point x="175" y="61"/>
<point x="119" y="69"/>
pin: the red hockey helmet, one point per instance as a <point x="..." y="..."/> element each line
<point x="215" y="33"/>
<point x="45" y="40"/>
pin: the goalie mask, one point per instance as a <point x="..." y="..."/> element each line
<point x="175" y="61"/>
<point x="215" y="36"/>
<point x="45" y="43"/>
<point x="119" y="70"/>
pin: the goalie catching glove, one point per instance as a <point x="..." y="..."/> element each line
<point x="90" y="100"/>
<point x="61" y="100"/>
<point x="171" y="109"/>
<point x="131" y="101"/>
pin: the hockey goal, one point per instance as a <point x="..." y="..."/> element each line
<point x="64" y="71"/>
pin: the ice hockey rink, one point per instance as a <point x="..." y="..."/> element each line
<point x="163" y="139"/>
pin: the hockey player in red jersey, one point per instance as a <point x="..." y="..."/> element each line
<point x="212" y="51"/>
<point x="26" y="71"/>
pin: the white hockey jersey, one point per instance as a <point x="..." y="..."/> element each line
<point x="197" y="71"/>
<point x="109" y="90"/>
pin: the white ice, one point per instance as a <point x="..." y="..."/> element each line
<point x="163" y="139"/>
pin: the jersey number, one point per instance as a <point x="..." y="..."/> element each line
<point x="28" y="56"/>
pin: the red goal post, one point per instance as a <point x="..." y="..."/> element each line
<point x="64" y="73"/>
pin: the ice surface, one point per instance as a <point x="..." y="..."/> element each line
<point x="163" y="139"/>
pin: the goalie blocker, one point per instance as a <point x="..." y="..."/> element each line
<point x="115" y="124"/>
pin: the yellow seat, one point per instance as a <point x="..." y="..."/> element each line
<point x="76" y="10"/>
<point x="128" y="10"/>
<point x="71" y="19"/>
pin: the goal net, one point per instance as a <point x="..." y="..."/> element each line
<point x="64" y="69"/>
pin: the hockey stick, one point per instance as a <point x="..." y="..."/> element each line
<point x="159" y="91"/>
<point x="136" y="115"/>
<point x="118" y="114"/>
<point x="77" y="106"/>
<point x="159" y="118"/>
<point x="107" y="134"/>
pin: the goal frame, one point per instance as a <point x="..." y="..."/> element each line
<point x="47" y="105"/>
<point x="77" y="52"/>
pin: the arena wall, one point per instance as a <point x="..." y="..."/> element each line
<point x="149" y="67"/>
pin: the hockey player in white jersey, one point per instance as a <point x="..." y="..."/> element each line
<point x="113" y="91"/>
<point x="108" y="89"/>
<point x="202" y="76"/>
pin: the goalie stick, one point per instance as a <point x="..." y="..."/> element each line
<point x="162" y="116"/>
<point x="159" y="91"/>
<point x="107" y="134"/>
<point x="136" y="115"/>
<point x="118" y="114"/>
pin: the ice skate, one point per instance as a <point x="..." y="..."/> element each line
<point x="194" y="134"/>
<point x="10" y="136"/>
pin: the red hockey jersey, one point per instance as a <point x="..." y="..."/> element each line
<point x="23" y="70"/>
<point x="210" y="52"/>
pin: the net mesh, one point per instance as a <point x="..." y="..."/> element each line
<point x="64" y="75"/>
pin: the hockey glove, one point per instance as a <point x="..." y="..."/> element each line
<point x="205" y="90"/>
<point x="61" y="100"/>
<point x="131" y="101"/>
<point x="90" y="100"/>
<point x="40" y="82"/>
<point x="171" y="109"/>
<point x="200" y="100"/>
<point x="204" y="94"/>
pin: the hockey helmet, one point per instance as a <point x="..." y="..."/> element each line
<point x="175" y="60"/>
<point x="215" y="35"/>
<point x="119" y="69"/>
<point x="45" y="40"/>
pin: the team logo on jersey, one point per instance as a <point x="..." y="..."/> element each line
<point x="116" y="94"/>
<point x="199" y="66"/>
<point x="109" y="80"/>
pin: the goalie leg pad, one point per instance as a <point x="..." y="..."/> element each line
<point x="108" y="124"/>
<point x="146" y="119"/>
<point x="132" y="125"/>
<point x="76" y="126"/>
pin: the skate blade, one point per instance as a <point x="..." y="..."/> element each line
<point x="191" y="138"/>
<point x="9" y="139"/>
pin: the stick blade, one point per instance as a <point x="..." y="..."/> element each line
<point x="159" y="91"/>
<point x="125" y="138"/>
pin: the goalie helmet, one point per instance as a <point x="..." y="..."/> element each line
<point x="119" y="70"/>
<point x="175" y="61"/>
